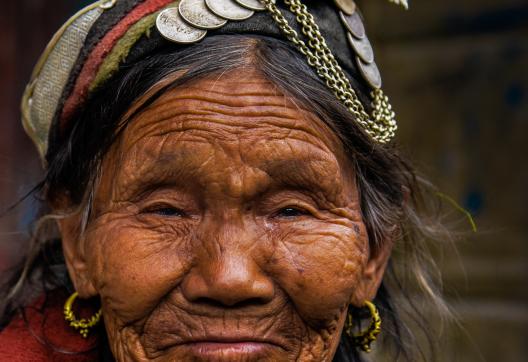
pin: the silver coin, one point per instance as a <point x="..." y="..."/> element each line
<point x="196" y="13"/>
<point x="107" y="4"/>
<point x="354" y="24"/>
<point x="370" y="72"/>
<point x="172" y="27"/>
<point x="362" y="47"/>
<point x="229" y="9"/>
<point x="346" y="6"/>
<point x="252" y="4"/>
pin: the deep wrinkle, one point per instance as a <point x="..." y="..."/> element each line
<point x="191" y="242"/>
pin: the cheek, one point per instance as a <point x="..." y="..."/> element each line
<point x="320" y="266"/>
<point x="134" y="265"/>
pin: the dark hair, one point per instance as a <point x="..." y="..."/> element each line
<point x="393" y="201"/>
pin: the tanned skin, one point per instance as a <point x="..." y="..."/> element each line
<point x="226" y="227"/>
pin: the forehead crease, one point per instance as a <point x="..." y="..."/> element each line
<point x="230" y="106"/>
<point x="197" y="148"/>
<point x="216" y="130"/>
<point x="256" y="168"/>
<point x="188" y="126"/>
<point x="261" y="108"/>
<point x="186" y="116"/>
<point x="197" y="100"/>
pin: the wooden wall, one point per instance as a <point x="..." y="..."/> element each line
<point x="457" y="72"/>
<point x="26" y="27"/>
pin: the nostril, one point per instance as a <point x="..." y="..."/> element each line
<point x="209" y="302"/>
<point x="249" y="302"/>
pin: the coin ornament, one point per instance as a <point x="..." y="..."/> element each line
<point x="172" y="27"/>
<point x="346" y="6"/>
<point x="362" y="49"/>
<point x="107" y="4"/>
<point x="255" y="5"/>
<point x="197" y="14"/>
<point x="189" y="21"/>
<point x="370" y="72"/>
<point x="229" y="9"/>
<point x="403" y="3"/>
<point x="354" y="24"/>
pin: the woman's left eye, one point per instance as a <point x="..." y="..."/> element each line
<point x="291" y="212"/>
<point x="164" y="211"/>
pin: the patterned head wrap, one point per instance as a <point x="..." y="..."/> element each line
<point x="95" y="43"/>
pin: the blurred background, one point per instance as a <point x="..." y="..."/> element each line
<point x="456" y="71"/>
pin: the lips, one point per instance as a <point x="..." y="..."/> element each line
<point x="233" y="350"/>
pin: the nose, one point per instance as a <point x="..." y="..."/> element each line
<point x="228" y="280"/>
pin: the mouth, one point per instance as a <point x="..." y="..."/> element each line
<point x="227" y="348"/>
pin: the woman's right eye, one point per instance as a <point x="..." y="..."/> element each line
<point x="291" y="212"/>
<point x="164" y="210"/>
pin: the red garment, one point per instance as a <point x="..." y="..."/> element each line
<point x="101" y="50"/>
<point x="44" y="335"/>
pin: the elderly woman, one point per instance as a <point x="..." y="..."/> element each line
<point x="220" y="186"/>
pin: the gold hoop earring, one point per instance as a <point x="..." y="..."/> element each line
<point x="365" y="338"/>
<point x="82" y="324"/>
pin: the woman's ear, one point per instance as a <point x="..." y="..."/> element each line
<point x="73" y="246"/>
<point x="373" y="273"/>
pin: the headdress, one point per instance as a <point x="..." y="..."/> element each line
<point x="90" y="48"/>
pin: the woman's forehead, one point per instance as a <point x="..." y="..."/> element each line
<point x="239" y="107"/>
<point x="237" y="128"/>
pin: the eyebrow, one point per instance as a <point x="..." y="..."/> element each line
<point x="311" y="174"/>
<point x="153" y="176"/>
<point x="304" y="174"/>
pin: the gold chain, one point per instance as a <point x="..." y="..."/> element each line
<point x="382" y="125"/>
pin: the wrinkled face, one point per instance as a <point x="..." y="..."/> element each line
<point x="226" y="227"/>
